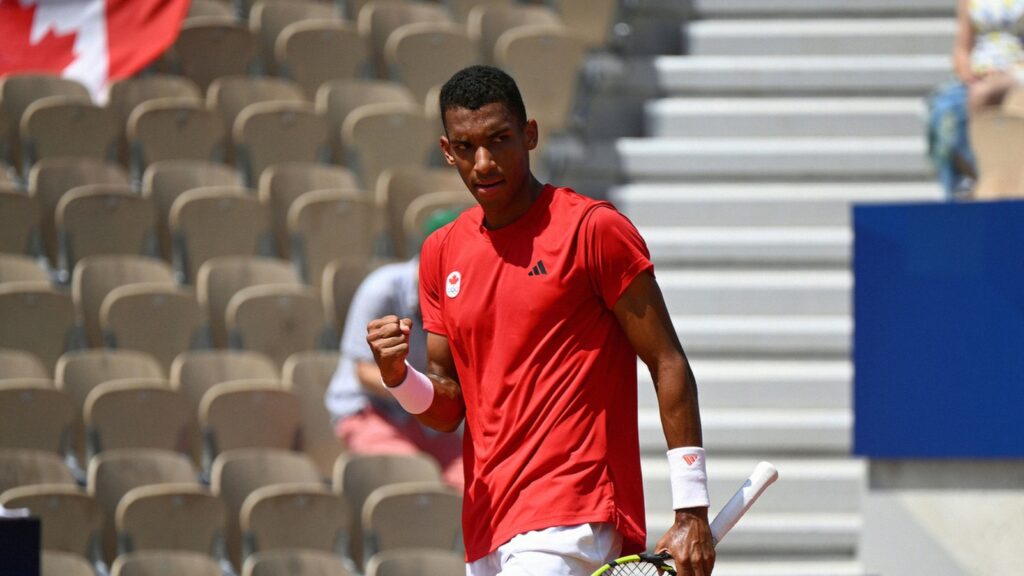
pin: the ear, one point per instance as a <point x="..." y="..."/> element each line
<point x="446" y="150"/>
<point x="530" y="131"/>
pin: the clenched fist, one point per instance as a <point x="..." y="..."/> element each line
<point x="388" y="337"/>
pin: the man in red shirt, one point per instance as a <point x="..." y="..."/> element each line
<point x="537" y="303"/>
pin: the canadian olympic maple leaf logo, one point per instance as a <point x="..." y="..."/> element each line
<point x="53" y="52"/>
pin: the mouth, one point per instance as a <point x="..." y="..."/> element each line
<point x="491" y="186"/>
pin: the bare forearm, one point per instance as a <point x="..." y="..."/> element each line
<point x="677" y="401"/>
<point x="448" y="408"/>
<point x="369" y="378"/>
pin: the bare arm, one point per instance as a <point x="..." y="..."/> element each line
<point x="643" y="316"/>
<point x="963" y="44"/>
<point x="368" y="375"/>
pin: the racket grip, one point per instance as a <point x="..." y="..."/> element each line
<point x="762" y="477"/>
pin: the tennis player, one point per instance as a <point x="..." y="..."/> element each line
<point x="537" y="303"/>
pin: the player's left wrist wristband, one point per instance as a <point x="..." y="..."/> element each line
<point x="689" y="478"/>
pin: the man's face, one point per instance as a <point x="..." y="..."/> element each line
<point x="490" y="148"/>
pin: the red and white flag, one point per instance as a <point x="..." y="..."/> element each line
<point x="92" y="41"/>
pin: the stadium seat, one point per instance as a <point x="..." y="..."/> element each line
<point x="238" y="473"/>
<point x="341" y="279"/>
<point x="70" y="518"/>
<point x="211" y="47"/>
<point x="174" y="129"/>
<point x="591" y="20"/>
<point x="412" y="515"/>
<point x="307" y="376"/>
<point x="295" y="562"/>
<point x="34" y="415"/>
<point x="19" y="91"/>
<point x="314" y="52"/>
<point x="52" y="178"/>
<point x="378" y="20"/>
<point x="486" y="23"/>
<point x="104" y="219"/>
<point x="170" y="517"/>
<point x="139" y="413"/>
<point x="270" y="132"/>
<point x="358" y="475"/>
<point x="30" y="467"/>
<point x="20" y="364"/>
<point x="165" y="180"/>
<point x="420" y="561"/>
<point x="54" y="563"/>
<point x="268" y="18"/>
<point x="68" y="126"/>
<point x="220" y="278"/>
<point x="325" y="225"/>
<point x="18" y="268"/>
<point x="337" y="99"/>
<point x="546" y="63"/>
<point x="193" y="373"/>
<point x="249" y="414"/>
<point x="995" y="137"/>
<point x="376" y="137"/>
<point x="398" y="187"/>
<point x="276" y="320"/>
<point x="210" y="8"/>
<point x="460" y="9"/>
<point x="422" y="207"/>
<point x="217" y="221"/>
<point x="426" y="54"/>
<point x="20" y="222"/>
<point x="49" y="312"/>
<point x="232" y="94"/>
<point x="161" y="320"/>
<point x="286" y="516"/>
<point x="165" y="563"/>
<point x="96" y="276"/>
<point x="114" y="473"/>
<point x="281" y="184"/>
<point x="126" y="94"/>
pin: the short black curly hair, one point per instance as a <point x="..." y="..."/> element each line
<point x="477" y="86"/>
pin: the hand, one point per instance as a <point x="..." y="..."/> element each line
<point x="388" y="338"/>
<point x="689" y="542"/>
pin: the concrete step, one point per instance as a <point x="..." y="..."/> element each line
<point x="901" y="37"/>
<point x="748" y="246"/>
<point x="781" y="75"/>
<point x="675" y="159"/>
<point x="739" y="204"/>
<point x="767" y="566"/>
<point x="762" y="384"/>
<point x="757" y="292"/>
<point x="790" y="336"/>
<point x="821" y="8"/>
<point x="806" y="485"/>
<point x="765" y="433"/>
<point x="785" y="117"/>
<point x="779" y="534"/>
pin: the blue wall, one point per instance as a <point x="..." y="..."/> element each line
<point x="939" y="330"/>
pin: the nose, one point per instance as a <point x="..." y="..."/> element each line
<point x="483" y="162"/>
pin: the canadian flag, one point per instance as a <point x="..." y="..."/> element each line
<point x="92" y="41"/>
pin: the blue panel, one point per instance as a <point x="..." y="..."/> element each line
<point x="939" y="330"/>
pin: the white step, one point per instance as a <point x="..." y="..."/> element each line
<point x="767" y="566"/>
<point x="757" y="292"/>
<point x="815" y="336"/>
<point x="785" y="117"/>
<point x="767" y="204"/>
<point x="864" y="75"/>
<point x="724" y="246"/>
<point x="673" y="159"/>
<point x="778" y="534"/>
<point x="762" y="384"/>
<point x="821" y="37"/>
<point x="761" y="432"/>
<point x="815" y="485"/>
<point x="815" y="8"/>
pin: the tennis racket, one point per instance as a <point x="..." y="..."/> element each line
<point x="645" y="564"/>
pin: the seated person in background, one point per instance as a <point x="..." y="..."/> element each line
<point x="366" y="416"/>
<point x="988" y="55"/>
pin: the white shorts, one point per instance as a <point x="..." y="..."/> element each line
<point x="561" y="551"/>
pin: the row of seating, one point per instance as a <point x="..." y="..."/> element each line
<point x="258" y="500"/>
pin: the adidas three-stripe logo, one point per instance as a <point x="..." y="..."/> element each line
<point x="539" y="269"/>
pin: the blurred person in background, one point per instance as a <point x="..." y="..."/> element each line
<point x="988" y="55"/>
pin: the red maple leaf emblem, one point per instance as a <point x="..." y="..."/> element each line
<point x="454" y="279"/>
<point x="53" y="52"/>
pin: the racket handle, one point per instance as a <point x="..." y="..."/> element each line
<point x="762" y="477"/>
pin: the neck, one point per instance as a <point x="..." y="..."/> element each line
<point x="498" y="218"/>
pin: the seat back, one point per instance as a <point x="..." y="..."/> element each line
<point x="104" y="219"/>
<point x="70" y="518"/>
<point x="270" y="132"/>
<point x="193" y="373"/>
<point x="250" y="414"/>
<point x="423" y="207"/>
<point x="276" y="320"/>
<point x="460" y="9"/>
<point x="34" y="415"/>
<point x="96" y="276"/>
<point x="425" y="562"/>
<point x="591" y="20"/>
<point x="165" y="563"/>
<point x="26" y="467"/>
<point x="269" y="19"/>
<point x="174" y="129"/>
<point x="19" y="91"/>
<point x="282" y="183"/>
<point x="341" y="279"/>
<point x="314" y="52"/>
<point x="287" y="516"/>
<point x="60" y="126"/>
<point x="161" y="320"/>
<point x="382" y="136"/>
<point x="398" y="187"/>
<point x="486" y="23"/>
<point x="18" y="268"/>
<point x="379" y="19"/>
<point x="307" y="376"/>
<point x="325" y="225"/>
<point x="295" y="563"/>
<point x="139" y="413"/>
<point x="426" y="54"/>
<point x="211" y="47"/>
<point x="232" y="94"/>
<point x="220" y="278"/>
<point x="49" y="312"/>
<point x="412" y="515"/>
<point x="21" y="364"/>
<point x="20" y="221"/>
<point x="170" y="517"/>
<point x="128" y="93"/>
<point x="338" y="98"/>
<point x="55" y="563"/>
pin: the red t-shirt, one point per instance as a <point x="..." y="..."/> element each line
<point x="547" y="374"/>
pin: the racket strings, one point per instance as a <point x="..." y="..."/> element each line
<point x="637" y="568"/>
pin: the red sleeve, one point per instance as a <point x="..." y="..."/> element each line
<point x="614" y="252"/>
<point x="430" y="285"/>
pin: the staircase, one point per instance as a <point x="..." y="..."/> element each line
<point x="782" y="114"/>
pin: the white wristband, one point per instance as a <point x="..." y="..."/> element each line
<point x="415" y="393"/>
<point x="689" y="477"/>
